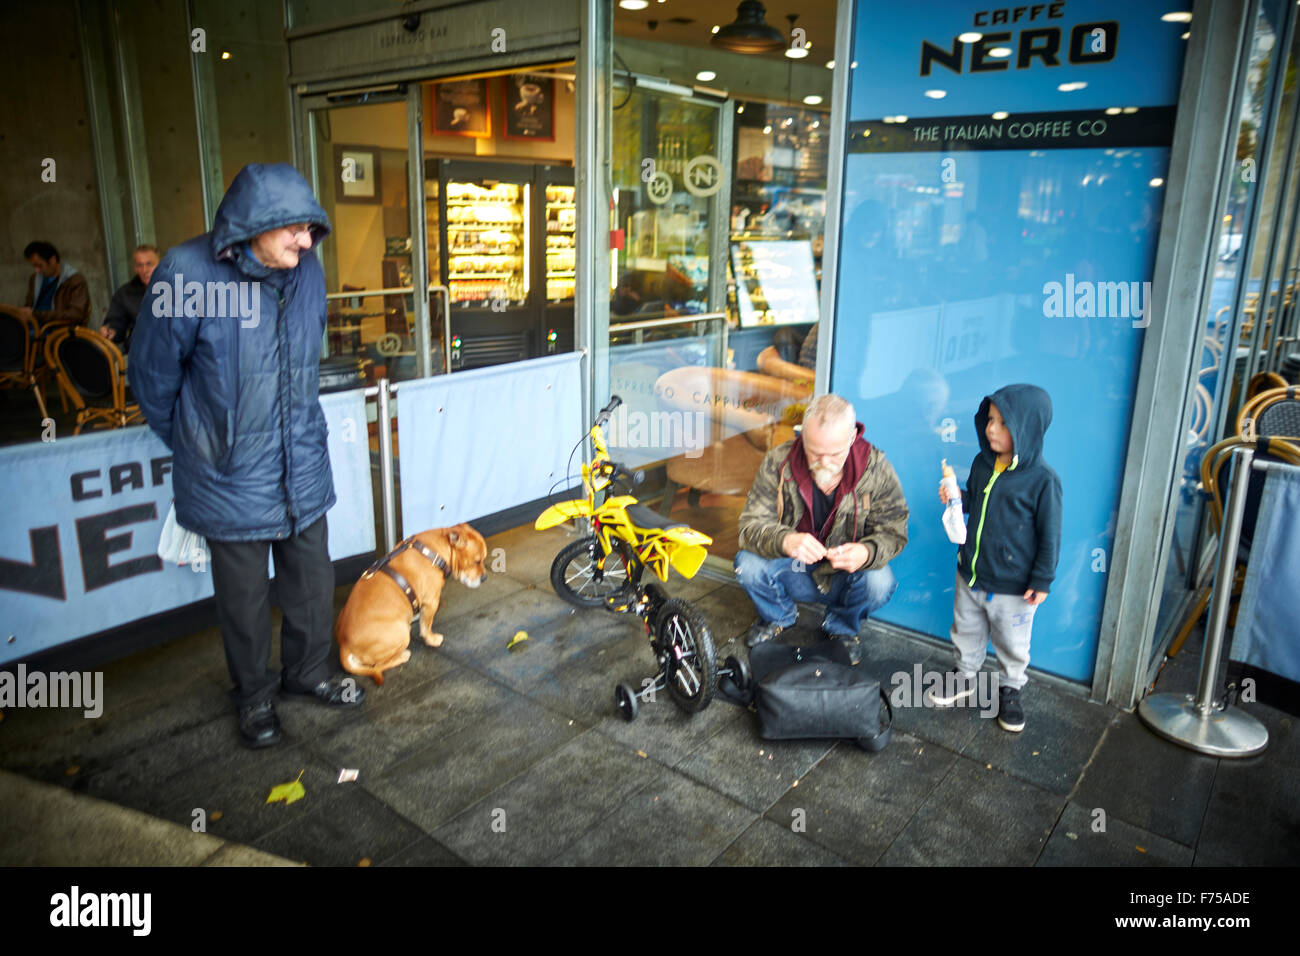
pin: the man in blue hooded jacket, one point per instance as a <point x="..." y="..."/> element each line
<point x="225" y="365"/>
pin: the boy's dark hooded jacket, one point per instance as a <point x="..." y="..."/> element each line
<point x="1013" y="537"/>
<point x="235" y="399"/>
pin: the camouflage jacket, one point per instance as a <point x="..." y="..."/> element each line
<point x="874" y="515"/>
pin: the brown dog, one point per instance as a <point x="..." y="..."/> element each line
<point x="374" y="627"/>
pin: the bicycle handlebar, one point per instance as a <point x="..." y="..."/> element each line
<point x="614" y="402"/>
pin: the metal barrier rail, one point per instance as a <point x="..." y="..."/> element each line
<point x="1202" y="723"/>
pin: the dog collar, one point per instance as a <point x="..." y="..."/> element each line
<point x="410" y="544"/>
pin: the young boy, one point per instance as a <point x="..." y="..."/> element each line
<point x="1007" y="564"/>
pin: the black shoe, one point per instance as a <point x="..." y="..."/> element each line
<point x="258" y="725"/>
<point x="1011" y="716"/>
<point x="335" y="692"/>
<point x="761" y="631"/>
<point x="956" y="687"/>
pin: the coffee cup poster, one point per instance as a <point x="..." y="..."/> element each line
<point x="530" y="107"/>
<point x="460" y="108"/>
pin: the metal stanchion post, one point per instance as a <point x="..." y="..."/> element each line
<point x="1202" y="723"/>
<point x="386" y="467"/>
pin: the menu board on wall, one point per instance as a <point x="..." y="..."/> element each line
<point x="775" y="281"/>
<point x="460" y="108"/>
<point x="529" y="107"/>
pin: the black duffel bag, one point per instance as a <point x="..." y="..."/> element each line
<point x="813" y="693"/>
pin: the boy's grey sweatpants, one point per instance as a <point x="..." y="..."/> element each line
<point x="1008" y="618"/>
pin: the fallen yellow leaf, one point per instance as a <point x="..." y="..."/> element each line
<point x="519" y="638"/>
<point x="364" y="861"/>
<point x="289" y="792"/>
<point x="215" y="815"/>
<point x="641" y="753"/>
<point x="1141" y="849"/>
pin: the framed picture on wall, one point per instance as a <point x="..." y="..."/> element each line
<point x="530" y="107"/>
<point x="460" y="108"/>
<point x="356" y="174"/>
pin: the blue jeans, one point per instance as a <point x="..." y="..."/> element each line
<point x="776" y="584"/>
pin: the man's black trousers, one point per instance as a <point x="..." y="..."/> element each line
<point x="304" y="579"/>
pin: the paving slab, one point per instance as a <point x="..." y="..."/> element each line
<point x="551" y="805"/>
<point x="855" y="804"/>
<point x="528" y="553"/>
<point x="380" y="738"/>
<point x="353" y="829"/>
<point x="977" y="816"/>
<point x="557" y="633"/>
<point x="585" y="686"/>
<point x="93" y="744"/>
<point x="671" y="822"/>
<point x="1253" y="817"/>
<point x="1151" y="783"/>
<point x="1061" y="732"/>
<point x="232" y="790"/>
<point x="459" y="769"/>
<point x="765" y="843"/>
<point x="424" y="852"/>
<point x="1076" y="842"/>
<point x="755" y="772"/>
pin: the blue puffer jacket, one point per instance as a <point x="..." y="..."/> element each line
<point x="225" y="365"/>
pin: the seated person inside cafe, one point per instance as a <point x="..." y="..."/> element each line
<point x="125" y="306"/>
<point x="824" y="518"/>
<point x="55" y="291"/>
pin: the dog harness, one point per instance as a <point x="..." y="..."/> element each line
<point x="410" y="544"/>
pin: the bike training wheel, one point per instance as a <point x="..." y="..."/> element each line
<point x="577" y="578"/>
<point x="740" y="673"/>
<point x="692" y="674"/>
<point x="625" y="698"/>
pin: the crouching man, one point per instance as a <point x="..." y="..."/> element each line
<point x="824" y="518"/>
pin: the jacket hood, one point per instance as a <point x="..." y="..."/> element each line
<point x="264" y="197"/>
<point x="1027" y="411"/>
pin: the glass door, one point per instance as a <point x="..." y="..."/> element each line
<point x="358" y="157"/>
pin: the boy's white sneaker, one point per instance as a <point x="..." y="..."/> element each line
<point x="957" y="686"/>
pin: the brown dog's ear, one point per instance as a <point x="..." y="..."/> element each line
<point x="453" y="537"/>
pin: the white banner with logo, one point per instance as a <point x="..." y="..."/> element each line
<point x="78" y="555"/>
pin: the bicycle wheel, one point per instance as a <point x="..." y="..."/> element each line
<point x="578" y="578"/>
<point x="692" y="670"/>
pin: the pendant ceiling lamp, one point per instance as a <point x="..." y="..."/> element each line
<point x="750" y="33"/>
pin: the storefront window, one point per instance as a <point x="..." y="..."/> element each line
<point x="1000" y="227"/>
<point x="1221" y="379"/>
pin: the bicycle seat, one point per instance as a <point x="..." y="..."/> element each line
<point x="648" y="518"/>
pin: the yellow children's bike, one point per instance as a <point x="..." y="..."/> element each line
<point x="603" y="568"/>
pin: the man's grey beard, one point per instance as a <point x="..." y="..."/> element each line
<point x="822" y="474"/>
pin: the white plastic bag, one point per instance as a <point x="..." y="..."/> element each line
<point x="178" y="546"/>
<point x="954" y="522"/>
